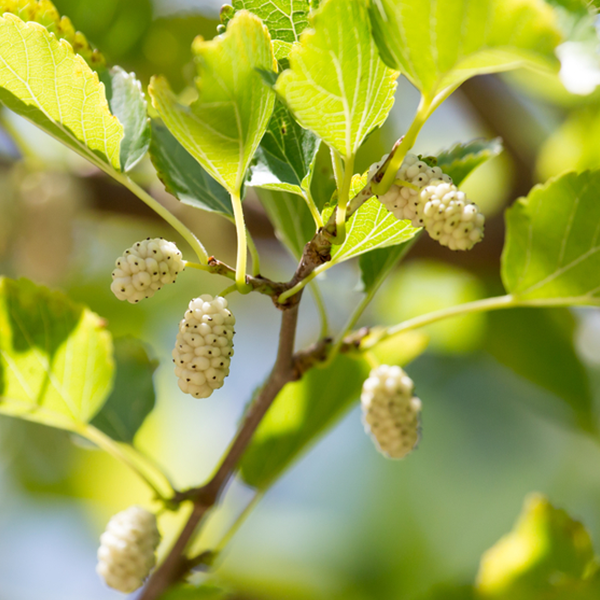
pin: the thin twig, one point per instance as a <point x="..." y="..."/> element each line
<point x="176" y="565"/>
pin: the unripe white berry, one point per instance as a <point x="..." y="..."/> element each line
<point x="127" y="550"/>
<point x="391" y="414"/>
<point x="145" y="268"/>
<point x="437" y="205"/>
<point x="204" y="346"/>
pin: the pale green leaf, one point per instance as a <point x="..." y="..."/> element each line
<point x="438" y="45"/>
<point x="286" y="154"/>
<point x="43" y="80"/>
<point x="128" y="103"/>
<point x="552" y="250"/>
<point x="286" y="20"/>
<point x="133" y="396"/>
<point x="45" y="13"/>
<point x="546" y="553"/>
<point x="371" y="226"/>
<point x="56" y="363"/>
<point x="183" y="176"/>
<point x="223" y="127"/>
<point x="301" y="412"/>
<point x="294" y="225"/>
<point x="337" y="86"/>
<point x="460" y="160"/>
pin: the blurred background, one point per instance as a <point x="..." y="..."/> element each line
<point x="343" y="522"/>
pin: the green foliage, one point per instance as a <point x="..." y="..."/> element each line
<point x="286" y="155"/>
<point x="183" y="176"/>
<point x="133" y="395"/>
<point x="45" y="13"/>
<point x="56" y="364"/>
<point x="545" y="555"/>
<point x="43" y="80"/>
<point x="223" y="127"/>
<point x="128" y="103"/>
<point x="301" y="412"/>
<point x="294" y="225"/>
<point x="538" y="345"/>
<point x="438" y="45"/>
<point x="371" y="227"/>
<point x="376" y="265"/>
<point x="188" y="592"/>
<point x="460" y="160"/>
<point x="286" y="20"/>
<point x="337" y="85"/>
<point x="552" y="242"/>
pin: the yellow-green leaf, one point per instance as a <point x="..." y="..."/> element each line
<point x="547" y="551"/>
<point x="223" y="127"/>
<point x="337" y="86"/>
<point x="438" y="45"/>
<point x="43" y="80"/>
<point x="45" y="13"/>
<point x="56" y="362"/>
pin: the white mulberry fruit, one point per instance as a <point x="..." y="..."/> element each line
<point x="204" y="346"/>
<point x="438" y="205"/>
<point x="145" y="268"/>
<point x="449" y="217"/>
<point x="127" y="550"/>
<point x="391" y="414"/>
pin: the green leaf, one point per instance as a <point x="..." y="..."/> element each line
<point x="285" y="156"/>
<point x="537" y="344"/>
<point x="337" y="86"/>
<point x="128" y="103"/>
<point x="56" y="362"/>
<point x="438" y="45"/>
<point x="294" y="225"/>
<point x="460" y="160"/>
<point x="552" y="249"/>
<point x="286" y="20"/>
<point x="372" y="226"/>
<point x="377" y="264"/>
<point x="223" y="127"/>
<point x="133" y="395"/>
<point x="301" y="412"/>
<point x="188" y="592"/>
<point x="45" y="13"/>
<point x="43" y="80"/>
<point x="183" y="176"/>
<point x="546" y="552"/>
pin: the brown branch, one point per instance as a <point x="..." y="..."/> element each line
<point x="176" y="565"/>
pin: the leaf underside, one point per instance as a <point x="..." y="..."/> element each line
<point x="461" y="160"/>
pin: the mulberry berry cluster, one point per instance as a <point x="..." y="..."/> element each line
<point x="127" y="550"/>
<point x="437" y="205"/>
<point x="204" y="346"/>
<point x="145" y="268"/>
<point x="391" y="413"/>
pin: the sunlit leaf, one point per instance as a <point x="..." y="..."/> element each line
<point x="56" y="362"/>
<point x="46" y="14"/>
<point x="460" y="160"/>
<point x="285" y="156"/>
<point x="286" y="20"/>
<point x="552" y="249"/>
<point x="337" y="86"/>
<point x="538" y="344"/>
<point x="133" y="395"/>
<point x="223" y="127"/>
<point x="438" y="45"/>
<point x="372" y="226"/>
<point x="43" y="80"/>
<point x="547" y="551"/>
<point x="128" y="103"/>
<point x="183" y="176"/>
